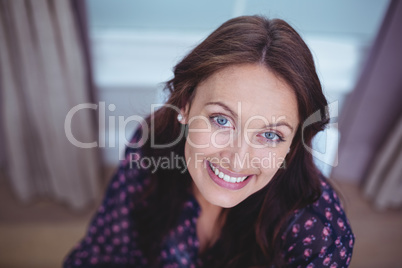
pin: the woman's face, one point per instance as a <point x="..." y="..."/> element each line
<point x="241" y="123"/>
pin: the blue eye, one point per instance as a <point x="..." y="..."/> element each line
<point x="221" y="121"/>
<point x="272" y="136"/>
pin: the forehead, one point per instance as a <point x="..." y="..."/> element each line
<point x="260" y="91"/>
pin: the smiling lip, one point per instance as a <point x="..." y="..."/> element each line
<point x="221" y="182"/>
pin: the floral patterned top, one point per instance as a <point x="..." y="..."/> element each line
<point x="318" y="235"/>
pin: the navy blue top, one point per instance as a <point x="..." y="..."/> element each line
<point x="318" y="235"/>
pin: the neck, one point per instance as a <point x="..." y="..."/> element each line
<point x="209" y="224"/>
<point x="206" y="207"/>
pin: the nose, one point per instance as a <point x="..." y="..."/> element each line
<point x="239" y="154"/>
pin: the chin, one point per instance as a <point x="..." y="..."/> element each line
<point x="223" y="200"/>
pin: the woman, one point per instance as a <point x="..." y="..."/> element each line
<point x="219" y="176"/>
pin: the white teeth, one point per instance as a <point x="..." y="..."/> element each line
<point x="226" y="177"/>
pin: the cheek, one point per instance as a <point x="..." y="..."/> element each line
<point x="199" y="133"/>
<point x="221" y="138"/>
<point x="198" y="140"/>
<point x="280" y="159"/>
<point x="269" y="161"/>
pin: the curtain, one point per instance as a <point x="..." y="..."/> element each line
<point x="370" y="145"/>
<point x="384" y="182"/>
<point x="44" y="74"/>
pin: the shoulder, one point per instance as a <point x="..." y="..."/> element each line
<point x="131" y="176"/>
<point x="111" y="236"/>
<point x="319" y="234"/>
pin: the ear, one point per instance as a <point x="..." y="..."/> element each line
<point x="184" y="112"/>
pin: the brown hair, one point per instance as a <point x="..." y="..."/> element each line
<point x="251" y="233"/>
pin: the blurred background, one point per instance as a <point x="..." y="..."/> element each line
<point x="84" y="73"/>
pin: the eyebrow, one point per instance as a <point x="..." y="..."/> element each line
<point x="224" y="106"/>
<point x="227" y="108"/>
<point x="282" y="123"/>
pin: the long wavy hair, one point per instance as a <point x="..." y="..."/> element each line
<point x="250" y="235"/>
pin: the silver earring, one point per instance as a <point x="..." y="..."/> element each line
<point x="179" y="117"/>
<point x="288" y="151"/>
